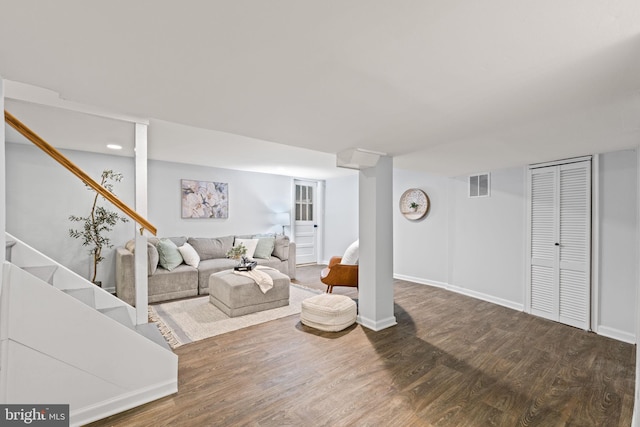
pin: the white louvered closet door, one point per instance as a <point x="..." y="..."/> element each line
<point x="560" y="265"/>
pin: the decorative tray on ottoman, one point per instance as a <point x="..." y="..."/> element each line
<point x="245" y="266"/>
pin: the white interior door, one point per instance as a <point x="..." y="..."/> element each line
<point x="305" y="222"/>
<point x="544" y="231"/>
<point x="560" y="263"/>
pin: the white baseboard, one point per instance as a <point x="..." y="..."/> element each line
<point x="377" y="325"/>
<point x="421" y="281"/>
<point x="122" y="403"/>
<point x="489" y="298"/>
<point x="616" y="334"/>
<point x="468" y="292"/>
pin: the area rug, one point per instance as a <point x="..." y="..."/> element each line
<point x="188" y="320"/>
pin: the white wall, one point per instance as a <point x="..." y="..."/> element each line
<point x="618" y="272"/>
<point x="474" y="246"/>
<point x="41" y="195"/>
<point x="341" y="215"/>
<point x="421" y="247"/>
<point x="3" y="199"/>
<point x="487" y="238"/>
<point x="253" y="199"/>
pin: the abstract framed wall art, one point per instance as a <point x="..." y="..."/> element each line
<point x="204" y="199"/>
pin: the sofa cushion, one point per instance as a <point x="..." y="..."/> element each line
<point x="265" y="247"/>
<point x="210" y="248"/>
<point x="169" y="255"/>
<point x="152" y="255"/>
<point x="281" y="249"/>
<point x="180" y="282"/>
<point x="189" y="255"/>
<point x="179" y="240"/>
<point x="273" y="262"/>
<point x="210" y="266"/>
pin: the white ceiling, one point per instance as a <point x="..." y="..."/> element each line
<point x="448" y="87"/>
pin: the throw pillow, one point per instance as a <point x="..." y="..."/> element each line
<point x="351" y="254"/>
<point x="152" y="254"/>
<point x="281" y="249"/>
<point x="169" y="254"/>
<point x="189" y="255"/>
<point x="153" y="258"/>
<point x="265" y="246"/>
<point x="250" y="244"/>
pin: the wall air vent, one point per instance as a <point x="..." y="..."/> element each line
<point x="479" y="185"/>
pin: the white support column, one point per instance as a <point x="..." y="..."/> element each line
<point x="141" y="267"/>
<point x="3" y="192"/>
<point x="375" y="273"/>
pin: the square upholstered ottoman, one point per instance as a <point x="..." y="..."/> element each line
<point x="237" y="295"/>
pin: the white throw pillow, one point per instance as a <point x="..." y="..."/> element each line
<point x="352" y="254"/>
<point x="189" y="255"/>
<point x="250" y="244"/>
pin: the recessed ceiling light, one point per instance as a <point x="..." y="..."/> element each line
<point x="114" y="146"/>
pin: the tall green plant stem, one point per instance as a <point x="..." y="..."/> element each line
<point x="97" y="251"/>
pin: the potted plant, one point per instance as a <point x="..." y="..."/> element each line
<point x="414" y="206"/>
<point x="98" y="223"/>
<point x="237" y="252"/>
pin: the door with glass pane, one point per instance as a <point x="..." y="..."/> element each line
<point x="305" y="222"/>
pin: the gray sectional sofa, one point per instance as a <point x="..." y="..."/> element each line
<point x="182" y="280"/>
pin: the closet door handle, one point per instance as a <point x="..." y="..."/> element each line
<point x="557" y="244"/>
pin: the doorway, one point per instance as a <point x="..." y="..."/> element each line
<point x="559" y="249"/>
<point x="305" y="220"/>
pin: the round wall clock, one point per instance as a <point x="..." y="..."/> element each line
<point x="414" y="204"/>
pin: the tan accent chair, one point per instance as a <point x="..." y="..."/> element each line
<point x="337" y="274"/>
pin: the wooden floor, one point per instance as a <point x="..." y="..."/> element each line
<point x="451" y="361"/>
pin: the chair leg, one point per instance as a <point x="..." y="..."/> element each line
<point x="329" y="289"/>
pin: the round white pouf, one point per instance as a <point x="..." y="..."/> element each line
<point x="328" y="312"/>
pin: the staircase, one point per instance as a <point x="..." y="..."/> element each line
<point x="65" y="340"/>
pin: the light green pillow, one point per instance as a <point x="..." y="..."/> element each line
<point x="265" y="246"/>
<point x="169" y="254"/>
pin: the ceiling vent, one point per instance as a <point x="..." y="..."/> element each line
<point x="479" y="185"/>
